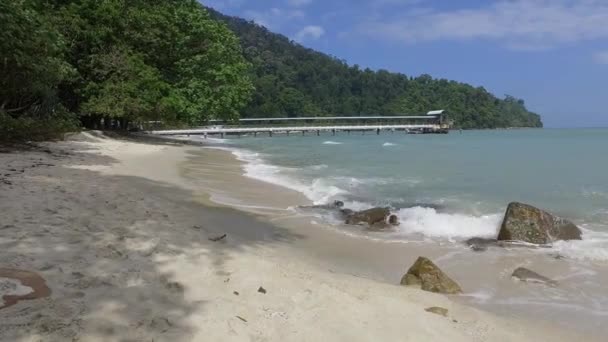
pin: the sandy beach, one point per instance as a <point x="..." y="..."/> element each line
<point x="122" y="232"/>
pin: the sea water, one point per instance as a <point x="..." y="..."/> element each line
<point x="448" y="188"/>
<point x="453" y="186"/>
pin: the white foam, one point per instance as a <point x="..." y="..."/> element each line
<point x="353" y="182"/>
<point x="416" y="220"/>
<point x="329" y="142"/>
<point x="594" y="193"/>
<point x="593" y="246"/>
<point x="428" y="222"/>
<point x="319" y="191"/>
<point x="318" y="167"/>
<point x="203" y="139"/>
<point x="386" y="144"/>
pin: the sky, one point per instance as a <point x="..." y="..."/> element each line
<point x="551" y="53"/>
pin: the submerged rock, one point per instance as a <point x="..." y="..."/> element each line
<point x="430" y="278"/>
<point x="527" y="275"/>
<point x="393" y="220"/>
<point x="526" y="223"/>
<point x="389" y="223"/>
<point x="369" y="216"/>
<point x="346" y="212"/>
<point x="329" y="206"/>
<point x="480" y="244"/>
<point x="438" y="310"/>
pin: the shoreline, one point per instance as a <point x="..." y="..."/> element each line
<point x="488" y="285"/>
<point x="121" y="238"/>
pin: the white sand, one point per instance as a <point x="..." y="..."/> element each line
<point x="126" y="253"/>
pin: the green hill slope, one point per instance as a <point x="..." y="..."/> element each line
<point x="292" y="80"/>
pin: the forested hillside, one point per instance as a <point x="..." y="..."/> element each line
<point x="84" y="62"/>
<point x="115" y="61"/>
<point x="291" y="80"/>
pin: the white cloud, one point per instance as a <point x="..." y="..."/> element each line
<point x="519" y="24"/>
<point x="378" y="3"/>
<point x="311" y="31"/>
<point x="298" y="3"/>
<point x="273" y="18"/>
<point x="223" y="4"/>
<point x="601" y="57"/>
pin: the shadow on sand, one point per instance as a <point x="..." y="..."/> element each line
<point x="101" y="242"/>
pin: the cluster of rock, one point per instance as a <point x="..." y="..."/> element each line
<point x="522" y="223"/>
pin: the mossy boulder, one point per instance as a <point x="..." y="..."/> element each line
<point x="526" y="223"/>
<point x="369" y="216"/>
<point x="430" y="278"/>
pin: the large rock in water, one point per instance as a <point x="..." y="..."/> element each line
<point x="526" y="223"/>
<point x="430" y="278"/>
<point x="369" y="216"/>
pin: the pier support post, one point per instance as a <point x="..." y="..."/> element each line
<point x="269" y="133"/>
<point x="333" y="131"/>
<point x="318" y="133"/>
<point x="377" y="131"/>
<point x="303" y="133"/>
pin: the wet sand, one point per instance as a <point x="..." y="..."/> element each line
<point x="120" y="232"/>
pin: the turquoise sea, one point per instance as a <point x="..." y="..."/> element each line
<point x="451" y="186"/>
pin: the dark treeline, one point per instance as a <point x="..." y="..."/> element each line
<point x="116" y="62"/>
<point x="292" y="80"/>
<point x="65" y="63"/>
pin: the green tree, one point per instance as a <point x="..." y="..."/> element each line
<point x="31" y="59"/>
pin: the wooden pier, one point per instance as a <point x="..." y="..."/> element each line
<point x="433" y="122"/>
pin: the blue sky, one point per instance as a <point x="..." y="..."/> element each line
<point x="551" y="53"/>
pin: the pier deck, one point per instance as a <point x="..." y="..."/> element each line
<point x="433" y="122"/>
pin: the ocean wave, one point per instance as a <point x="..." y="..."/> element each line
<point x="593" y="246"/>
<point x="430" y="223"/>
<point x="319" y="191"/>
<point x="386" y="144"/>
<point x="329" y="142"/>
<point x="415" y="221"/>
<point x="594" y="194"/>
<point x="318" y="167"/>
<point x="354" y="182"/>
<point x="200" y="138"/>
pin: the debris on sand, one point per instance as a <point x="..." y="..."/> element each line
<point x="217" y="238"/>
